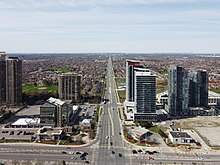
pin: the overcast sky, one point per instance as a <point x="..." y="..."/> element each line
<point x="110" y="26"/>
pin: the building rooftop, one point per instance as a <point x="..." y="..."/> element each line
<point x="27" y="121"/>
<point x="75" y="107"/>
<point x="55" y="101"/>
<point x="178" y="134"/>
<point x="86" y="121"/>
<point x="47" y="105"/>
<point x="49" y="131"/>
<point x="213" y="94"/>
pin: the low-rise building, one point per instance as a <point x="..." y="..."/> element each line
<point x="26" y="123"/>
<point x="56" y="112"/>
<point x="213" y="98"/>
<point x="200" y="111"/>
<point x="162" y="98"/>
<point x="140" y="134"/>
<point x="85" y="124"/>
<point x="179" y="137"/>
<point x="49" y="134"/>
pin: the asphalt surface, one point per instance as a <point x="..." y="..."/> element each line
<point x="110" y="147"/>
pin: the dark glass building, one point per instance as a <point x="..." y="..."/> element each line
<point x="130" y="68"/>
<point x="145" y="95"/>
<point x="198" y="89"/>
<point x="178" y="91"/>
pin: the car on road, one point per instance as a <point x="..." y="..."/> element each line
<point x="119" y="133"/>
<point x="82" y="157"/>
<point x="78" y="153"/>
<point x="68" y="148"/>
<point x="85" y="153"/>
<point x="113" y="152"/>
<point x="87" y="162"/>
<point x="111" y="143"/>
<point x="12" y="133"/>
<point x="64" y="152"/>
<point x="150" y="158"/>
<point x="140" y="150"/>
<point x="155" y="152"/>
<point x="200" y="158"/>
<point x="149" y="152"/>
<point x="134" y="152"/>
<point x="71" y="153"/>
<point x="120" y="155"/>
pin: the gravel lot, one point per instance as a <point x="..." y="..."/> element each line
<point x="207" y="126"/>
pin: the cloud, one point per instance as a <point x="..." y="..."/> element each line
<point x="59" y="23"/>
<point x="43" y="4"/>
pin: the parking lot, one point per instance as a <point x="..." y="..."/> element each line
<point x="86" y="111"/>
<point x="21" y="133"/>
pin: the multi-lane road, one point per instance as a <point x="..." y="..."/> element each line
<point x="109" y="147"/>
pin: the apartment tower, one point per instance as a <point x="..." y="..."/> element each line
<point x="11" y="80"/>
<point x="144" y="95"/>
<point x="69" y="87"/>
<point x="198" y="89"/>
<point x="178" y="91"/>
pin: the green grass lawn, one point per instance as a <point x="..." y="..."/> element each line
<point x="119" y="80"/>
<point x="32" y="89"/>
<point x="215" y="90"/>
<point x="122" y="95"/>
<point x="162" y="86"/>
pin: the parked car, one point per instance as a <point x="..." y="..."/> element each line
<point x="134" y="152"/>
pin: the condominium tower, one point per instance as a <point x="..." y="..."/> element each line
<point x="69" y="87"/>
<point x="178" y="91"/>
<point x="198" y="89"/>
<point x="130" y="68"/>
<point x="140" y="104"/>
<point x="11" y="80"/>
<point x="144" y="95"/>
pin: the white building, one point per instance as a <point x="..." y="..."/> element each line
<point x="178" y="137"/>
<point x="86" y="123"/>
<point x="162" y="98"/>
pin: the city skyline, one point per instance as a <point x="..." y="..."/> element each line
<point x="129" y="26"/>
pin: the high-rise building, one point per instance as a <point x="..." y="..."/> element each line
<point x="198" y="89"/>
<point x="2" y="78"/>
<point x="11" y="80"/>
<point x="178" y="91"/>
<point x="69" y="87"/>
<point x="144" y="95"/>
<point x="130" y="67"/>
<point x="129" y="101"/>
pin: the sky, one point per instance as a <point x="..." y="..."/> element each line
<point x="98" y="26"/>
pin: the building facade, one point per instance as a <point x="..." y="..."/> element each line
<point x="3" y="78"/>
<point x="11" y="80"/>
<point x="179" y="137"/>
<point x="69" y="87"/>
<point x="178" y="91"/>
<point x="145" y="95"/>
<point x="130" y="68"/>
<point x="56" y="113"/>
<point x="198" y="89"/>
